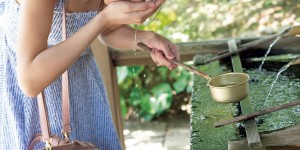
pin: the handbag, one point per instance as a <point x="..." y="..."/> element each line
<point x="54" y="142"/>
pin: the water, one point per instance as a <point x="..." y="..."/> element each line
<point x="268" y="51"/>
<point x="273" y="83"/>
<point x="146" y="23"/>
<point x="135" y="42"/>
<point x="287" y="90"/>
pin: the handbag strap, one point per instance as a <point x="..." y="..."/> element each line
<point x="44" y="120"/>
<point x="43" y="113"/>
<point x="65" y="87"/>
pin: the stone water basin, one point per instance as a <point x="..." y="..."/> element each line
<point x="206" y="112"/>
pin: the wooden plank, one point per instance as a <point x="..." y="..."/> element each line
<point x="250" y="125"/>
<point x="108" y="72"/>
<point x="189" y="49"/>
<point x="187" y="52"/>
<point x="117" y="106"/>
<point x="288" y="138"/>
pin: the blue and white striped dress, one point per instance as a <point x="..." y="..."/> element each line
<point x="90" y="112"/>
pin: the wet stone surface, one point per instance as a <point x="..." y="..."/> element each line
<point x="206" y="112"/>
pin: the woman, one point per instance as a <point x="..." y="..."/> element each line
<point x="34" y="57"/>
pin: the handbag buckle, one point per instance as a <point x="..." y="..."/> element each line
<point x="48" y="144"/>
<point x="66" y="135"/>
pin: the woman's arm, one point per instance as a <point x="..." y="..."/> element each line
<point x="164" y="51"/>
<point x="37" y="65"/>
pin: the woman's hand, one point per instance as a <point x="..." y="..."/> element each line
<point x="125" y="12"/>
<point x="163" y="50"/>
<point x="157" y="3"/>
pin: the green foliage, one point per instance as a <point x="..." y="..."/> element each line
<point x="150" y="90"/>
<point x="182" y="81"/>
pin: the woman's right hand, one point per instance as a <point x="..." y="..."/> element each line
<point x="125" y="12"/>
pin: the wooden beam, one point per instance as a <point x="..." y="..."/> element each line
<point x="284" y="139"/>
<point x="189" y="49"/>
<point x="109" y="75"/>
<point x="250" y="125"/>
<point x="187" y="52"/>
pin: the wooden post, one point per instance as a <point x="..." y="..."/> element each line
<point x="109" y="75"/>
<point x="287" y="139"/>
<point x="250" y="125"/>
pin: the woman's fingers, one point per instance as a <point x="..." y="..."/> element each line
<point x="128" y="12"/>
<point x="152" y="54"/>
<point x="136" y="7"/>
<point x="134" y="1"/>
<point x="158" y="2"/>
<point x="167" y="51"/>
<point x="162" y="60"/>
<point x="174" y="49"/>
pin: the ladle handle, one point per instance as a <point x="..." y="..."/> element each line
<point x="206" y="76"/>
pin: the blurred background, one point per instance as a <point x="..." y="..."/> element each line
<point x="155" y="100"/>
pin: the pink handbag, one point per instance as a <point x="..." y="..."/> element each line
<point x="54" y="142"/>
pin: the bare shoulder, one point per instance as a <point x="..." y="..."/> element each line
<point x="20" y="1"/>
<point x="34" y="27"/>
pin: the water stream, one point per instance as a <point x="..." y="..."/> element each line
<point x="272" y="85"/>
<point x="268" y="51"/>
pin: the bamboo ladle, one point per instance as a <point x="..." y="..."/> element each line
<point x="223" y="87"/>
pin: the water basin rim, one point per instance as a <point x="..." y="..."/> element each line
<point x="230" y="86"/>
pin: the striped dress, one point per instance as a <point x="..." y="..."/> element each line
<point x="90" y="112"/>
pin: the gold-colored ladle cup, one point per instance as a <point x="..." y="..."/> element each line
<point x="225" y="88"/>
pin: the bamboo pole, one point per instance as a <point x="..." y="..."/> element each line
<point x="243" y="48"/>
<point x="258" y="113"/>
<point x="289" y="31"/>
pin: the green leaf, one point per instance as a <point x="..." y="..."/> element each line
<point x="175" y="73"/>
<point x="180" y="84"/>
<point x="163" y="103"/>
<point x="135" y="96"/>
<point x="134" y="71"/>
<point x="163" y="72"/>
<point x="161" y="88"/>
<point x="145" y="104"/>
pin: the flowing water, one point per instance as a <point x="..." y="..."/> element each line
<point x="287" y="90"/>
<point x="268" y="51"/>
<point x="273" y="83"/>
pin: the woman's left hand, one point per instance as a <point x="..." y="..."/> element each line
<point x="163" y="50"/>
<point x="157" y="3"/>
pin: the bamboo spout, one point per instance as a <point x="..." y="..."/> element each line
<point x="291" y="31"/>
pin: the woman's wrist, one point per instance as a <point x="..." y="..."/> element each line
<point x="143" y="36"/>
<point x="103" y="19"/>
